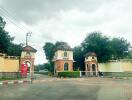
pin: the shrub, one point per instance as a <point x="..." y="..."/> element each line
<point x="69" y="74"/>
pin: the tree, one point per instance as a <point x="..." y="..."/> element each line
<point x="61" y="46"/>
<point x="120" y="47"/>
<point x="6" y="42"/>
<point x="5" y="38"/>
<point x="103" y="46"/>
<point x="15" y="49"/>
<point x="2" y="23"/>
<point x="49" y="50"/>
<point x="96" y="42"/>
<point x="79" y="58"/>
<point x="49" y="66"/>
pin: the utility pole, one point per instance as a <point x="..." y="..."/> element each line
<point x="28" y="35"/>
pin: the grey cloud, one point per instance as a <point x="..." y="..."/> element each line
<point x="32" y="11"/>
<point x="69" y="20"/>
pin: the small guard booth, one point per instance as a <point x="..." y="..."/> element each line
<point x="91" y="64"/>
<point x="27" y="61"/>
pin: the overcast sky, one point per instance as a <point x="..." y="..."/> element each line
<point x="65" y="20"/>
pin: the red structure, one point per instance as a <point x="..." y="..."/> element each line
<point x="27" y="57"/>
<point x="24" y="70"/>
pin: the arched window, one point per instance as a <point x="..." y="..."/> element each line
<point x="66" y="67"/>
<point x="93" y="57"/>
<point x="65" y="54"/>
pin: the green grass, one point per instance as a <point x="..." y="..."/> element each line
<point x="3" y="79"/>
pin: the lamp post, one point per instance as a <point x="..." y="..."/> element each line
<point x="28" y="35"/>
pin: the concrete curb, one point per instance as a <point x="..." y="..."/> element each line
<point x="15" y="82"/>
<point x="126" y="78"/>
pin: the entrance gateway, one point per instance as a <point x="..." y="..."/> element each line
<point x="91" y="64"/>
<point x="27" y="57"/>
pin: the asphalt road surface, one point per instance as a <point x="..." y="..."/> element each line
<point x="69" y="89"/>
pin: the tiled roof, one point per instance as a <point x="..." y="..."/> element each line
<point x="64" y="47"/>
<point x="29" y="48"/>
<point x="90" y="54"/>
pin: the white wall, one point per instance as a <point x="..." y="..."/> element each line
<point x="24" y="54"/>
<point x="119" y="66"/>
<point x="90" y="58"/>
<point x="60" y="55"/>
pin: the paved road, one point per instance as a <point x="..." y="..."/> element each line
<point x="70" y="89"/>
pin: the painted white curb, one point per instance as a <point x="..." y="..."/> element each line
<point x="14" y="82"/>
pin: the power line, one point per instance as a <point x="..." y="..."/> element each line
<point x="10" y="21"/>
<point x="8" y="16"/>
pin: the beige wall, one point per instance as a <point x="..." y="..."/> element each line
<point x="60" y="55"/>
<point x="9" y="65"/>
<point x="1" y="64"/>
<point x="119" y="66"/>
<point x="90" y="58"/>
<point x="25" y="54"/>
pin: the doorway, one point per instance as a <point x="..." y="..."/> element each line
<point x="94" y="69"/>
<point x="66" y="67"/>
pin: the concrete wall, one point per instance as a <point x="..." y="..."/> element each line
<point x="119" y="66"/>
<point x="1" y="64"/>
<point x="9" y="64"/>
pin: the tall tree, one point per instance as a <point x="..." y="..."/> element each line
<point x="96" y="42"/>
<point x="120" y="47"/>
<point x="5" y="38"/>
<point x="49" y="50"/>
<point x="78" y="56"/>
<point x="6" y="42"/>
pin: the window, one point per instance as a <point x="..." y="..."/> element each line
<point x="65" y="54"/>
<point x="28" y="53"/>
<point x="66" y="67"/>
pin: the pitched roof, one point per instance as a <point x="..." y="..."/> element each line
<point x="64" y="47"/>
<point x="90" y="54"/>
<point x="29" y="48"/>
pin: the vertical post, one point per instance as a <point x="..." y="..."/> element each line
<point x="28" y="34"/>
<point x="80" y="73"/>
<point x="26" y="39"/>
<point x="86" y="69"/>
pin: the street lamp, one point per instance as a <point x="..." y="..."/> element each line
<point x="28" y="35"/>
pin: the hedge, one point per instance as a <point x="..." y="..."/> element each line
<point x="69" y="74"/>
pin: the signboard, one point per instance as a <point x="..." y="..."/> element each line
<point x="24" y="70"/>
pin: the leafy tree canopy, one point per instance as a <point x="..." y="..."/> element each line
<point x="6" y="42"/>
<point x="106" y="48"/>
<point x="96" y="42"/>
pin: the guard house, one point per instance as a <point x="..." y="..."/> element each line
<point x="63" y="58"/>
<point x="27" y="57"/>
<point x="91" y="64"/>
